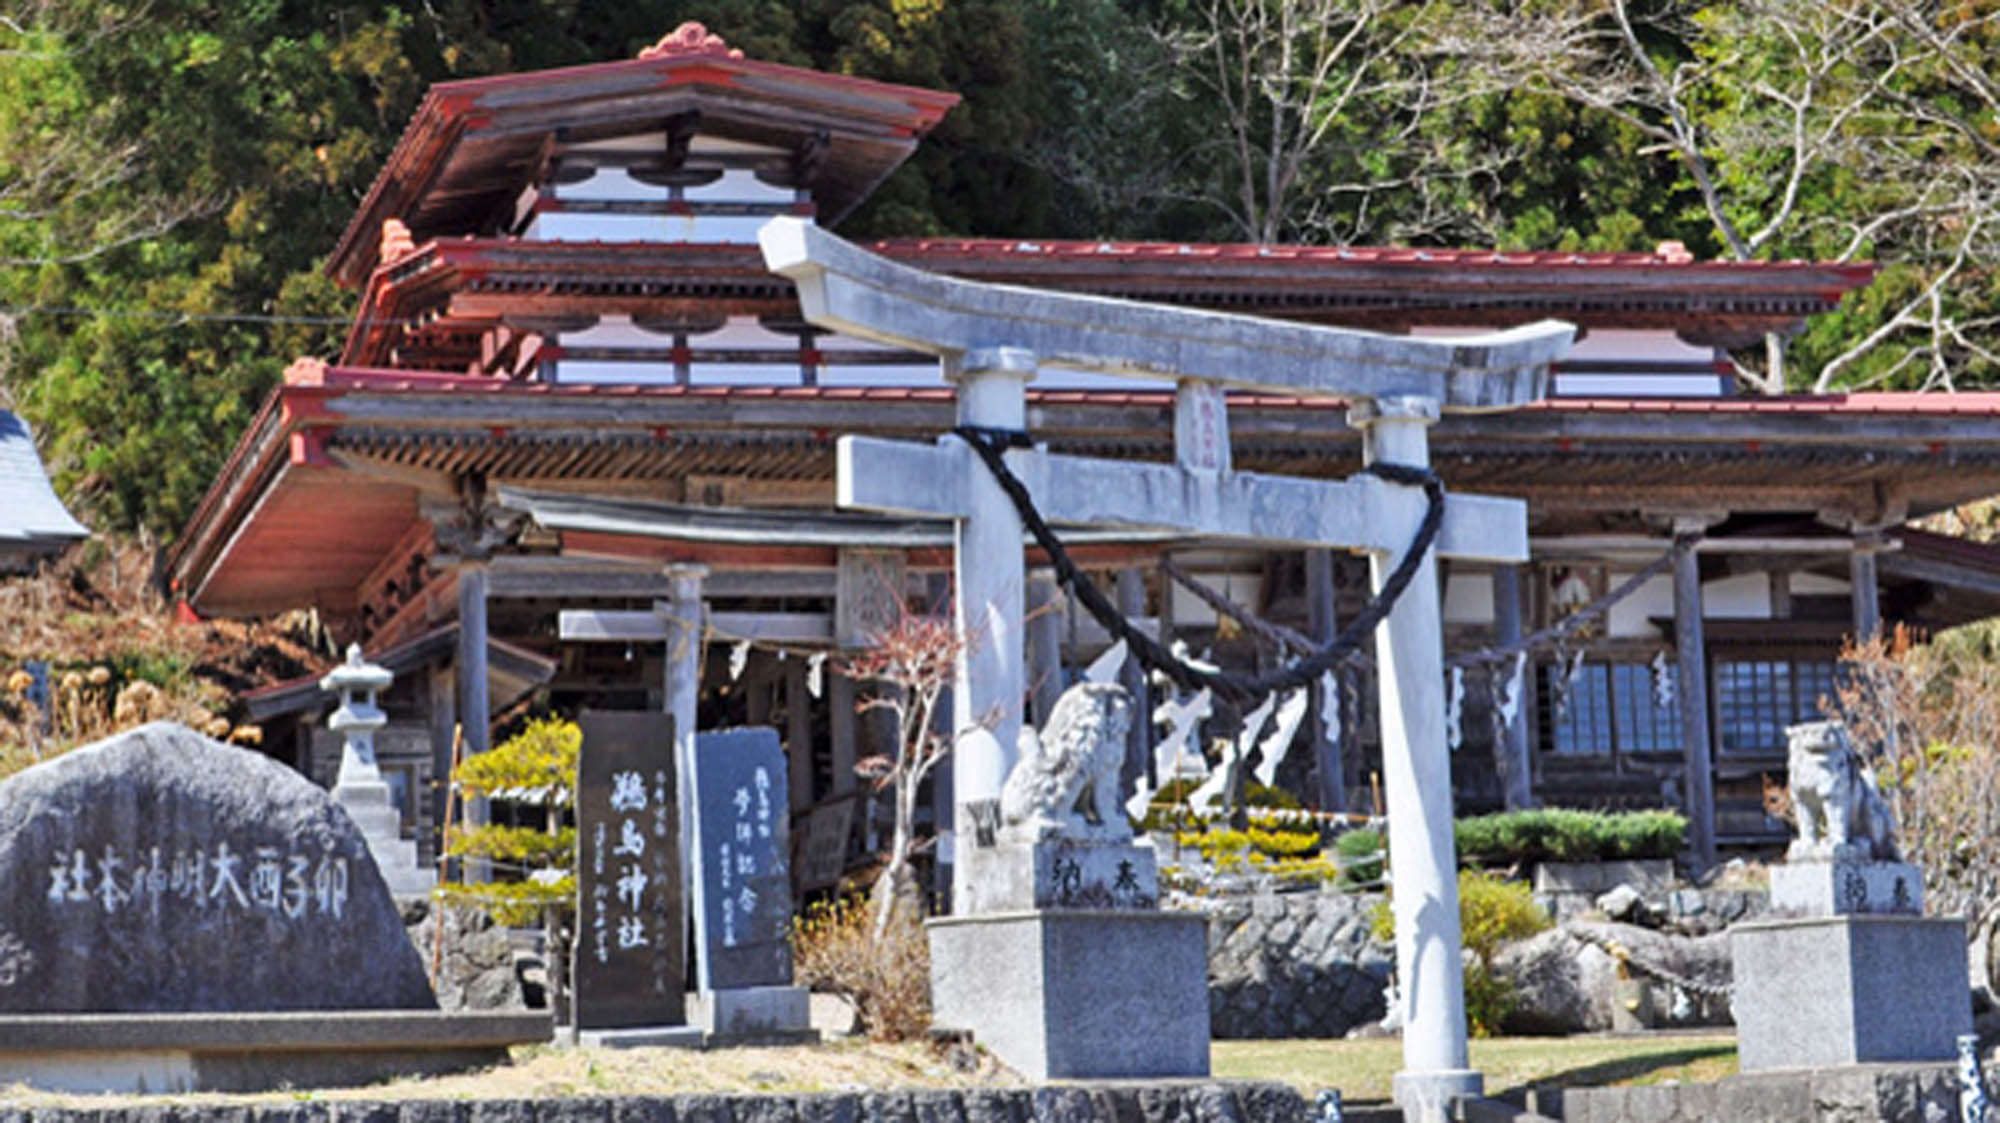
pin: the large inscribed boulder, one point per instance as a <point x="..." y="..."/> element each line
<point x="161" y="871"/>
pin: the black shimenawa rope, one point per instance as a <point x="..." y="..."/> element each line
<point x="1242" y="689"/>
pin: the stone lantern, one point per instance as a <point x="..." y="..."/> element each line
<point x="360" y="788"/>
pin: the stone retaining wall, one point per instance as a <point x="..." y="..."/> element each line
<point x="1295" y="965"/>
<point x="1891" y="1093"/>
<point x="1153" y="1102"/>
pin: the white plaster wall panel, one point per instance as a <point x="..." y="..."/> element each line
<point x="613" y="331"/>
<point x="560" y="227"/>
<point x="1746" y="596"/>
<point x="1628" y="344"/>
<point x="1633" y="616"/>
<point x="739" y="185"/>
<point x="1191" y="611"/>
<point x="1817" y="585"/>
<point x="604" y="372"/>
<point x="744" y="333"/>
<point x="610" y="185"/>
<point x="1636" y="385"/>
<point x="889" y="372"/>
<point x="1468" y="599"/>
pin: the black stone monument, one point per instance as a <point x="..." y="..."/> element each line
<point x="629" y="966"/>
<point x="743" y="888"/>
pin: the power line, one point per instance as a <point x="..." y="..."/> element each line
<point x="171" y="316"/>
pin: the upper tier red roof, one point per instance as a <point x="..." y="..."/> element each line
<point x="474" y="143"/>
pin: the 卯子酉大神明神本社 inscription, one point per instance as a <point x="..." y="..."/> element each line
<point x="277" y="880"/>
<point x="629" y="965"/>
<point x="159" y="871"/>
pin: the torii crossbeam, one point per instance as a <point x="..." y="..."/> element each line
<point x="993" y="338"/>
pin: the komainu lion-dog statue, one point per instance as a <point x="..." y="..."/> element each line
<point x="1841" y="814"/>
<point x="1066" y="784"/>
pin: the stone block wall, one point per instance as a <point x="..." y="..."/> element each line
<point x="1152" y="1102"/>
<point x="1890" y="1093"/>
<point x="1295" y="965"/>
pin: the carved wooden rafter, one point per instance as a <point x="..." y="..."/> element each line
<point x="468" y="526"/>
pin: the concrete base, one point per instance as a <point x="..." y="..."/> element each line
<point x="1430" y="1097"/>
<point x="1843" y="888"/>
<point x="1845" y="990"/>
<point x="640" y="1037"/>
<point x="251" y="1052"/>
<point x="1077" y="994"/>
<point x="755" y="1015"/>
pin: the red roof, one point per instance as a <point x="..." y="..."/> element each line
<point x="1880" y="402"/>
<point x="941" y="250"/>
<point x="474" y="143"/>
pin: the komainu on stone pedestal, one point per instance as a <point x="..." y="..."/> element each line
<point x="1062" y="951"/>
<point x="1066" y="784"/>
<point x="1848" y="970"/>
<point x="1841" y="814"/>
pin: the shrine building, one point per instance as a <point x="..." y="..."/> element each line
<point x="573" y="393"/>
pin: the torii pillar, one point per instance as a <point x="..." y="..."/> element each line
<point x="993" y="338"/>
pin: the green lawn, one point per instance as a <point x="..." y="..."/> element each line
<point x="1362" y="1069"/>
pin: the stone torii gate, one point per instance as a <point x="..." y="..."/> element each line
<point x="993" y="338"/>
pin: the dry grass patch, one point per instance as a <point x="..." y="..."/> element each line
<point x="542" y="1071"/>
<point x="1362" y="1069"/>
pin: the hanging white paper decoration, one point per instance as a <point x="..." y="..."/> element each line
<point x="1329" y="708"/>
<point x="1454" y="710"/>
<point x="1106" y="666"/>
<point x="1663" y="681"/>
<point x="1277" y="744"/>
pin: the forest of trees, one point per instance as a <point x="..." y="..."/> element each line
<point x="173" y="171"/>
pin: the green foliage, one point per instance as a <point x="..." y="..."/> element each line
<point x="1492" y="912"/>
<point x="1358" y="853"/>
<point x="517" y="845"/>
<point x="538" y="762"/>
<point x="1562" y="835"/>
<point x="513" y="903"/>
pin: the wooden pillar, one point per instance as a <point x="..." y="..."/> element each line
<point x="1322" y="624"/>
<point x="1045" y="628"/>
<point x="1132" y="676"/>
<point x="1511" y="753"/>
<point x="1779" y="583"/>
<point x="1691" y="677"/>
<point x="1865" y="592"/>
<point x="840" y="729"/>
<point x="798" y="734"/>
<point x="444" y="717"/>
<point x="474" y="700"/>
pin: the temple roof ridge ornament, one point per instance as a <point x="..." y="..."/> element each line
<point x="690" y="39"/>
<point x="397" y="242"/>
<point x="306" y="371"/>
